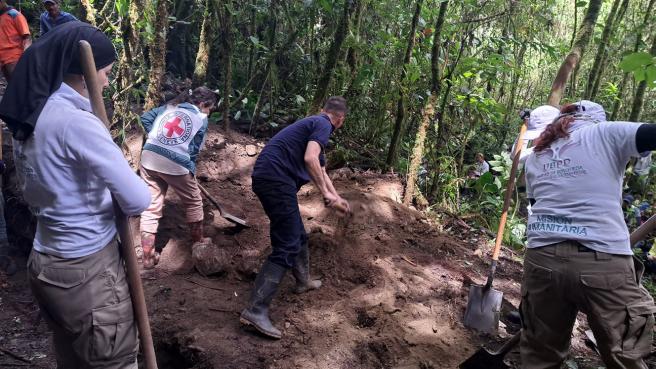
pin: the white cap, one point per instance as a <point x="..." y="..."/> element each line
<point x="540" y="118"/>
<point x="592" y="109"/>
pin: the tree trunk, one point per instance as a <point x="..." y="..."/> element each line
<point x="331" y="59"/>
<point x="574" y="57"/>
<point x="226" y="42"/>
<point x="429" y="111"/>
<point x="639" y="99"/>
<point x="89" y="12"/>
<point x="157" y="56"/>
<point x="636" y="47"/>
<point x="400" y="107"/>
<point x="204" y="47"/>
<point x="595" y="71"/>
<point x="602" y="64"/>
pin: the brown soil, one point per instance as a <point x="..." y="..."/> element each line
<point x="395" y="282"/>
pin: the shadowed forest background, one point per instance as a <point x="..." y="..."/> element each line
<point x="430" y="83"/>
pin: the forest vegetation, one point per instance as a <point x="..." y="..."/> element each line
<point x="430" y="82"/>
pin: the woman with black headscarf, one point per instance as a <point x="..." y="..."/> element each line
<point x="68" y="168"/>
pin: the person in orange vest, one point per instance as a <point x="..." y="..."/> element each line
<point x="14" y="38"/>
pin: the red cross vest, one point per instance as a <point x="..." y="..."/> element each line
<point x="173" y="132"/>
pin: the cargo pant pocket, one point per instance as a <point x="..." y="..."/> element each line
<point x="62" y="277"/>
<point x="637" y="340"/>
<point x="114" y="332"/>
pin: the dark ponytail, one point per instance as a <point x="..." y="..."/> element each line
<point x="196" y="96"/>
<point x="557" y="129"/>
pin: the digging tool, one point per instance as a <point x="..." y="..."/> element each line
<point x="484" y="304"/>
<point x="122" y="221"/>
<point x="227" y="216"/>
<point x="486" y="359"/>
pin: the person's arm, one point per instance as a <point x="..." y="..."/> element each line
<point x="332" y="190"/>
<point x="91" y="145"/>
<point x="197" y="143"/>
<point x="148" y="118"/>
<point x="316" y="172"/>
<point x="646" y="137"/>
<point x="27" y="42"/>
<point x="43" y="28"/>
<point x="23" y="30"/>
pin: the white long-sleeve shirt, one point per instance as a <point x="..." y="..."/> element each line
<point x="67" y="170"/>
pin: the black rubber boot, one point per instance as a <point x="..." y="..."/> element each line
<point x="266" y="285"/>
<point x="301" y="271"/>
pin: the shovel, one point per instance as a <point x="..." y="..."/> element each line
<point x="122" y="221"/>
<point x="227" y="216"/>
<point x="484" y="303"/>
<point x="486" y="359"/>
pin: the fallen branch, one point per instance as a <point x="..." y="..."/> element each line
<point x="15" y="356"/>
<point x="408" y="260"/>
<point x="204" y="285"/>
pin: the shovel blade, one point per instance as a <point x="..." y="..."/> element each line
<point x="483" y="309"/>
<point x="484" y="359"/>
<point x="233" y="219"/>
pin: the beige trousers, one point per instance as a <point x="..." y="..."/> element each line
<point x="158" y="183"/>
<point x="562" y="279"/>
<point x="86" y="303"/>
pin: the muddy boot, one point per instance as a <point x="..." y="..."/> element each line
<point x="150" y="257"/>
<point x="301" y="271"/>
<point x="196" y="231"/>
<point x="266" y="285"/>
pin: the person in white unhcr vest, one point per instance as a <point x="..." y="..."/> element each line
<point x="176" y="133"/>
<point x="578" y="256"/>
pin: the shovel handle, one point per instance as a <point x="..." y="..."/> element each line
<point x="509" y="191"/>
<point x="512" y="342"/>
<point x="211" y="198"/>
<point x="642" y="231"/>
<point x="122" y="221"/>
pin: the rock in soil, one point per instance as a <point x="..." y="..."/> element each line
<point x="208" y="258"/>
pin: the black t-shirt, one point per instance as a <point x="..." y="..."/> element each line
<point x="283" y="158"/>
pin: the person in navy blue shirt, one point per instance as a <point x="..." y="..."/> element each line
<point x="292" y="158"/>
<point x="53" y="16"/>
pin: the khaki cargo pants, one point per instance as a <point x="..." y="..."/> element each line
<point x="86" y="303"/>
<point x="185" y="187"/>
<point x="562" y="279"/>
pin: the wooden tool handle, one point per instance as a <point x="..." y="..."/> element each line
<point x="212" y="199"/>
<point x="642" y="231"/>
<point x="509" y="191"/>
<point x="122" y="221"/>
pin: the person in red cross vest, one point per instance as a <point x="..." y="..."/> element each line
<point x="175" y="135"/>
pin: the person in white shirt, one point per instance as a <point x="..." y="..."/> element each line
<point x="579" y="257"/>
<point x="68" y="168"/>
<point x="176" y="132"/>
<point x="481" y="165"/>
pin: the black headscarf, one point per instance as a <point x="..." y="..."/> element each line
<point x="41" y="69"/>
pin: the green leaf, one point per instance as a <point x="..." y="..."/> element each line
<point x="639" y="75"/>
<point x="650" y="76"/>
<point x="580" y="4"/>
<point x="634" y="61"/>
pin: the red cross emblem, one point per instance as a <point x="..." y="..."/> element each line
<point x="173" y="126"/>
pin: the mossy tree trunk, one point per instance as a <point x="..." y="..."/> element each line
<point x="204" y="46"/>
<point x="428" y="113"/>
<point x="157" y="56"/>
<point x="399" y="125"/>
<point x="596" y="70"/>
<point x="331" y="59"/>
<point x="574" y="57"/>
